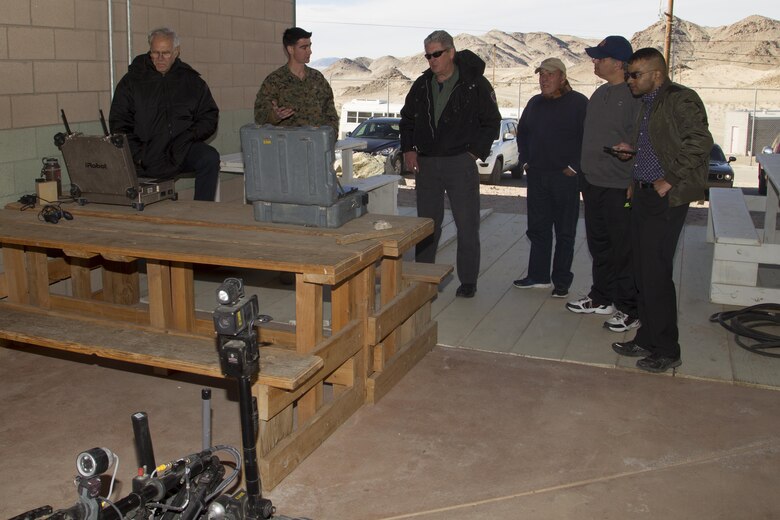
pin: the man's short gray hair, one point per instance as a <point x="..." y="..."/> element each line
<point x="165" y="32"/>
<point x="442" y="37"/>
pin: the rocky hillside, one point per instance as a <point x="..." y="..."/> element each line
<point x="750" y="46"/>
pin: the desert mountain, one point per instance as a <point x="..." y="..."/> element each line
<point x="348" y="68"/>
<point x="725" y="64"/>
<point x="752" y="43"/>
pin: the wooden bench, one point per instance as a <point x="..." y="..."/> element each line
<point x="279" y="367"/>
<point x="431" y="273"/>
<point x="737" y="252"/>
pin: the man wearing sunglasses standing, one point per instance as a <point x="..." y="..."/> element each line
<point x="670" y="171"/>
<point x="605" y="184"/>
<point x="449" y="119"/>
<point x="167" y="112"/>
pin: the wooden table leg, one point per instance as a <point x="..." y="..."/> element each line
<point x="121" y="282"/>
<point x="308" y="333"/>
<point x="158" y="279"/>
<point x="38" y="277"/>
<point x="15" y="268"/>
<point x="183" y="296"/>
<point x="391" y="286"/>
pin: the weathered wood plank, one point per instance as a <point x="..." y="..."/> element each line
<point x="16" y="274"/>
<point x="291" y="450"/>
<point x="280" y="368"/>
<point x="431" y="273"/>
<point x="333" y="352"/>
<point x="398" y="310"/>
<point x="379" y="383"/>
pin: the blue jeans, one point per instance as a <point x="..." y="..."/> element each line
<point x="553" y="204"/>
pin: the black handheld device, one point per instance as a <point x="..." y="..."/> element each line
<point x="612" y="151"/>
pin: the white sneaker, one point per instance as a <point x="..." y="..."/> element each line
<point x="585" y="306"/>
<point x="622" y="322"/>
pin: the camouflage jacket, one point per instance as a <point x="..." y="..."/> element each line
<point x="311" y="98"/>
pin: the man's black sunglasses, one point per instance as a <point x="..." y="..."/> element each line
<point x="435" y="54"/>
<point x="635" y="75"/>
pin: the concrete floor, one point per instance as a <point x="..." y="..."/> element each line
<point x="481" y="428"/>
<point x="465" y="434"/>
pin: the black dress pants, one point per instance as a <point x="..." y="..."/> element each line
<point x="203" y="160"/>
<point x="655" y="229"/>
<point x="553" y="204"/>
<point x="608" y="230"/>
<point x="457" y="176"/>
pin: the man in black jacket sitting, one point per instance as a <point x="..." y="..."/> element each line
<point x="449" y="119"/>
<point x="167" y="112"/>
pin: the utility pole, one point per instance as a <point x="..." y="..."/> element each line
<point x="494" y="64"/>
<point x="668" y="44"/>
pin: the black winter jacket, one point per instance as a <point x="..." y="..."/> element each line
<point x="162" y="115"/>
<point x="469" y="122"/>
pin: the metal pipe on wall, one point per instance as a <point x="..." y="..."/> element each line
<point x="111" y="69"/>
<point x="129" y="37"/>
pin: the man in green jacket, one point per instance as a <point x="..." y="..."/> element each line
<point x="670" y="171"/>
<point x="296" y="94"/>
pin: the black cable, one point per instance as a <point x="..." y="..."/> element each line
<point x="750" y="323"/>
<point x="113" y="505"/>
<point x="53" y="213"/>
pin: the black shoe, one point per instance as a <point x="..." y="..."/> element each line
<point x="630" y="349"/>
<point x="560" y="292"/>
<point x="657" y="364"/>
<point x="466" y="290"/>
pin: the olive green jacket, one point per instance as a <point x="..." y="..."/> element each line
<point x="682" y="141"/>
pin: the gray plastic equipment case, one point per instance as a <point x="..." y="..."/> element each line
<point x="289" y="177"/>
<point x="345" y="209"/>
<point x="290" y="165"/>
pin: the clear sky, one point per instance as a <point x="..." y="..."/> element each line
<point x="374" y="28"/>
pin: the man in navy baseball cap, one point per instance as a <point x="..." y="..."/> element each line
<point x="605" y="180"/>
<point x="615" y="47"/>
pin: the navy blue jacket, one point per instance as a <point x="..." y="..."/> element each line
<point x="549" y="134"/>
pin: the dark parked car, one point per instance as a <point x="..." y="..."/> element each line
<point x="773" y="148"/>
<point x="721" y="174"/>
<point x="383" y="135"/>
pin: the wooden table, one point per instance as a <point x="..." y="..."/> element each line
<point x="369" y="346"/>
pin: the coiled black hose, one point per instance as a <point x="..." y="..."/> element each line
<point x="750" y="323"/>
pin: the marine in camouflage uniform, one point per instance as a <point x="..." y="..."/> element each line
<point x="311" y="98"/>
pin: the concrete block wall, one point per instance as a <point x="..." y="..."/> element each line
<point x="54" y="55"/>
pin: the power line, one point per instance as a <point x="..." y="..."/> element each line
<point x="395" y="26"/>
<point x="728" y="61"/>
